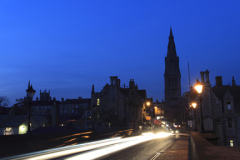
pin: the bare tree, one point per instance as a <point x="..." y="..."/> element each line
<point x="4" y="101"/>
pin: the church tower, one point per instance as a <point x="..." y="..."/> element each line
<point x="172" y="79"/>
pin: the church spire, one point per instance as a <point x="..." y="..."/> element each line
<point x="172" y="80"/>
<point x="171" y="45"/>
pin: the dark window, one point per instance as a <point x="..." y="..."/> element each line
<point x="229" y="105"/>
<point x="229" y="123"/>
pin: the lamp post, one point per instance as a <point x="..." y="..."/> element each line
<point x="148" y="103"/>
<point x="194" y="105"/>
<point x="199" y="87"/>
<point x="30" y="93"/>
<point x="93" y="108"/>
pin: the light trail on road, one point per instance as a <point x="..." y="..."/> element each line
<point x="92" y="150"/>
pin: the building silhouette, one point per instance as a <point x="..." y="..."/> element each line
<point x="172" y="79"/>
<point x="115" y="107"/>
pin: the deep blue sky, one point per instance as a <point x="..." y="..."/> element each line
<point x="67" y="46"/>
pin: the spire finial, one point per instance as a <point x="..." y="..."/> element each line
<point x="29" y="84"/>
<point x="171" y="34"/>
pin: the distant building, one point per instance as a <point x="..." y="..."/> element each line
<point x="159" y="109"/>
<point x="172" y="79"/>
<point x="115" y="106"/>
<point x="46" y="107"/>
<point x="75" y="112"/>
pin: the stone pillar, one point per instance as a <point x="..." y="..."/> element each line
<point x="207" y="76"/>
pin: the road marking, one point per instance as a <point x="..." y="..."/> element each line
<point x="162" y="150"/>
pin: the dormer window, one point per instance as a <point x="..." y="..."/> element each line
<point x="229" y="105"/>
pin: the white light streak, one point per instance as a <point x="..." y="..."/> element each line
<point x="95" y="149"/>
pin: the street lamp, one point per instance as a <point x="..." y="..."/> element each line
<point x="194" y="104"/>
<point x="148" y="103"/>
<point x="199" y="87"/>
<point x="30" y="93"/>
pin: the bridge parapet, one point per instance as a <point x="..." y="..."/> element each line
<point x="202" y="149"/>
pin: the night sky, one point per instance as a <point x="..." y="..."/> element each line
<point x="67" y="46"/>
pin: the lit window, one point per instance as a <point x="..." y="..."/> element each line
<point x="98" y="102"/>
<point x="229" y="105"/>
<point x="43" y="124"/>
<point x="8" y="131"/>
<point x="231" y="143"/>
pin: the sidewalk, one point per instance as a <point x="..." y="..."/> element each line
<point x="179" y="150"/>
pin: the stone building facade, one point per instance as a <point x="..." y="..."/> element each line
<point x="118" y="107"/>
<point x="220" y="109"/>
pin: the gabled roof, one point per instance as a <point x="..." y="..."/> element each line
<point x="14" y="121"/>
<point x="221" y="91"/>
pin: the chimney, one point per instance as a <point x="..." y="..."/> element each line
<point x="54" y="98"/>
<point x="233" y="81"/>
<point x="202" y="77"/>
<point x="36" y="98"/>
<point x="207" y="76"/>
<point x="218" y="81"/>
<point x="92" y="88"/>
<point x="113" y="80"/>
<point x="62" y="99"/>
<point x="79" y="97"/>
<point x="131" y="84"/>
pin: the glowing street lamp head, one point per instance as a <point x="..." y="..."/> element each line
<point x="198" y="86"/>
<point x="148" y="103"/>
<point x="194" y="104"/>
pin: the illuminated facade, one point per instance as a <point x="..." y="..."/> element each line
<point x="220" y="110"/>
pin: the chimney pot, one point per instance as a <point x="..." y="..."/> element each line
<point x="218" y="81"/>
